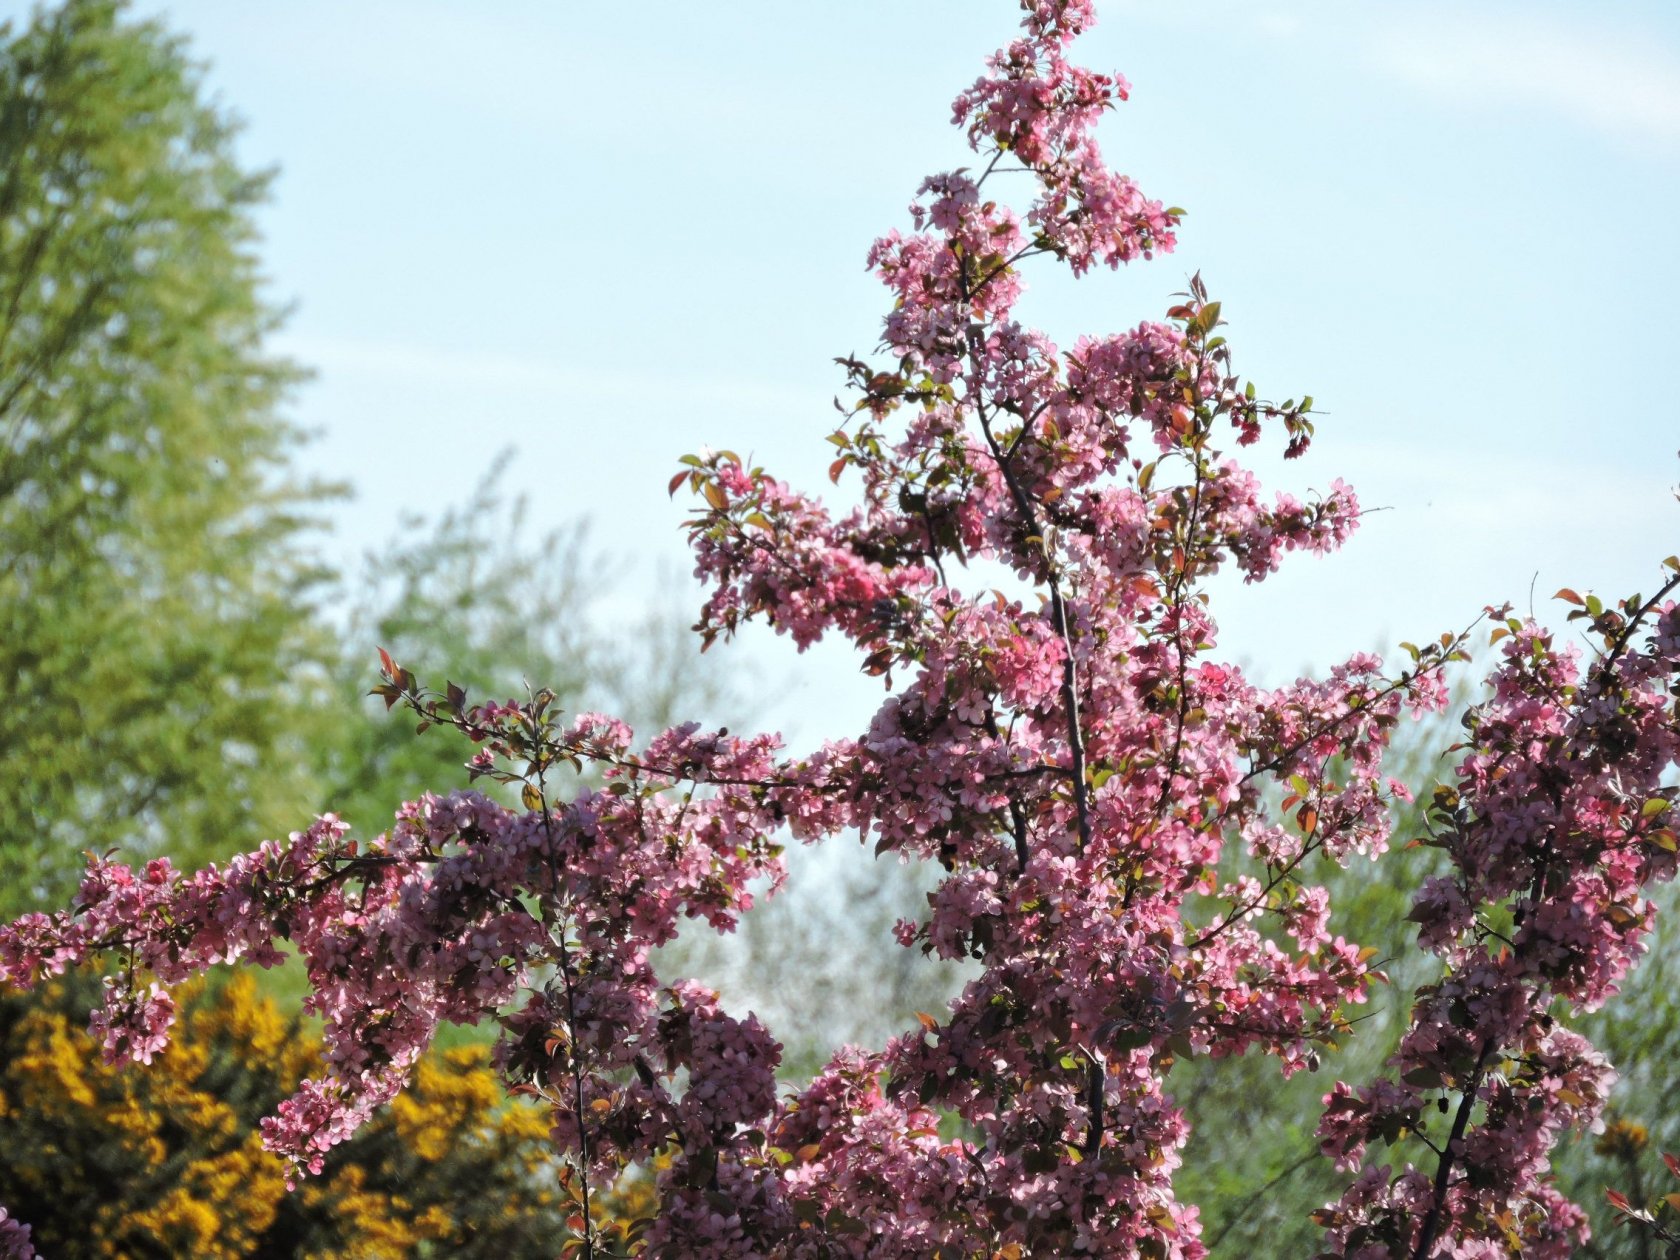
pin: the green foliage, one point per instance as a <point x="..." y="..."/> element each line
<point x="467" y="597"/>
<point x="156" y="638"/>
<point x="1253" y="1157"/>
<point x="1640" y="1032"/>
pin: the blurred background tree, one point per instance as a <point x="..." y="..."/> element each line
<point x="171" y="670"/>
<point x="818" y="961"/>
<point x="158" y="640"/>
<point x="467" y="596"/>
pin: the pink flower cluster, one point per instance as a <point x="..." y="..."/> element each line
<point x="1038" y="107"/>
<point x="1557" y="824"/>
<point x="435" y="922"/>
<point x="14" y="1238"/>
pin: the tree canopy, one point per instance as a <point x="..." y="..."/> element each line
<point x="156" y="629"/>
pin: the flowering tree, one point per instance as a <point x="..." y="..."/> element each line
<point x="1123" y="823"/>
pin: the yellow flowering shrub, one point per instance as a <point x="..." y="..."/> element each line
<point x="166" y="1161"/>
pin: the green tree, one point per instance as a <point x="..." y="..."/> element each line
<point x="157" y="640"/>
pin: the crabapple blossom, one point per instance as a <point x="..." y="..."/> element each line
<point x="1557" y="824"/>
<point x="14" y="1238"/>
<point x="1123" y="823"/>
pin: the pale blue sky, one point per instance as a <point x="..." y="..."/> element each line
<point x="609" y="234"/>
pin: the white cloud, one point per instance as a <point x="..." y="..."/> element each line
<point x="1602" y="78"/>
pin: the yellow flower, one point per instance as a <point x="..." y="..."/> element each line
<point x="112" y="1162"/>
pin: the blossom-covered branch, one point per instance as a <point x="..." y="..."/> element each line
<point x="1558" y="823"/>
